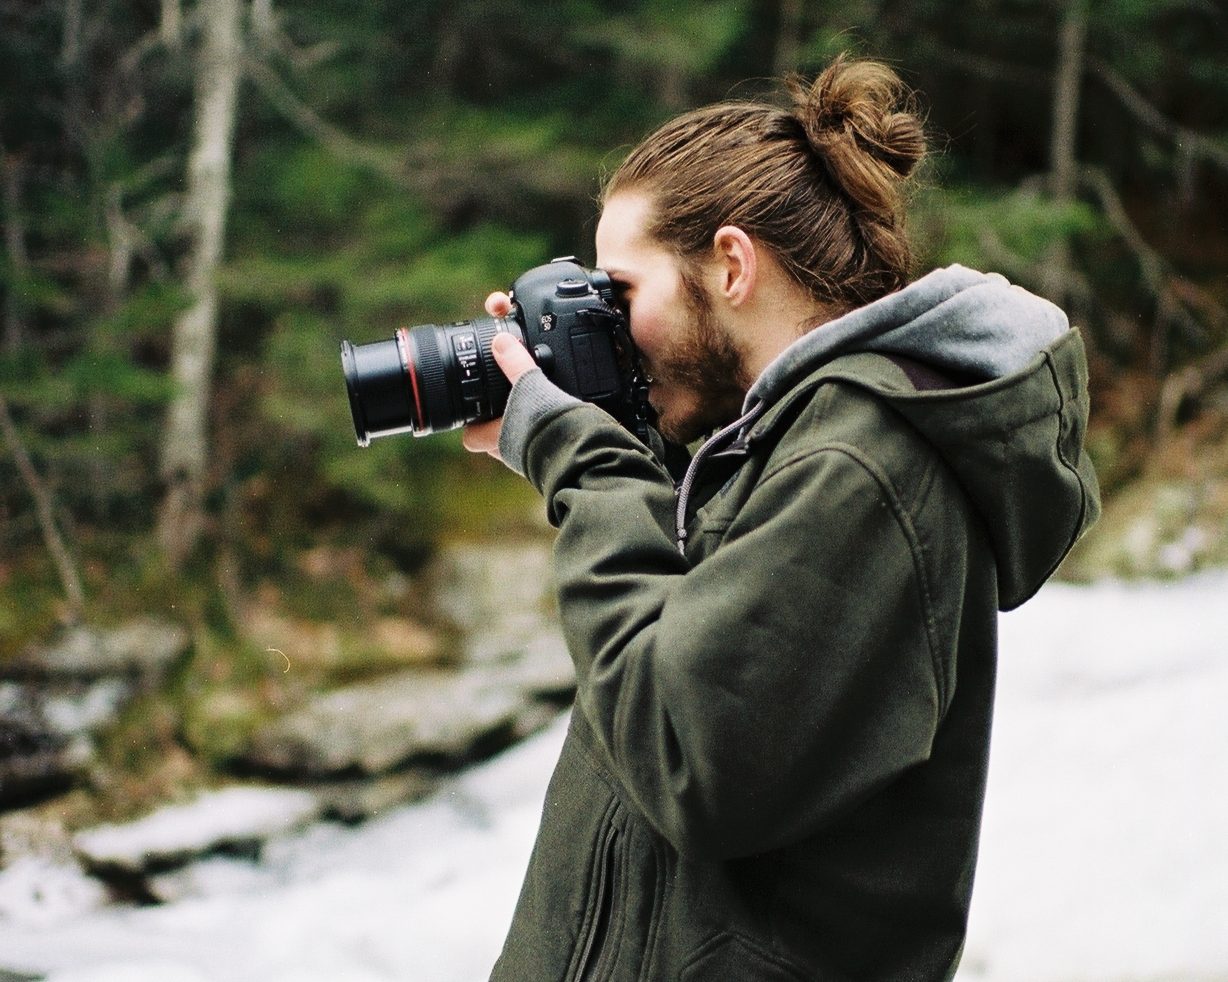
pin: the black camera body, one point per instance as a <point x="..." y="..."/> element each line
<point x="432" y="378"/>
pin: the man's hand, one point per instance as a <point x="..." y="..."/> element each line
<point x="514" y="361"/>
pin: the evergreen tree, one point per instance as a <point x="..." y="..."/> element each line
<point x="391" y="163"/>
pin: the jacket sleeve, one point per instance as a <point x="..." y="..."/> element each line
<point x="747" y="700"/>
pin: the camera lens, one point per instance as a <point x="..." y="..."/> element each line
<point x="426" y="379"/>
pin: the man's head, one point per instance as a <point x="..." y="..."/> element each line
<point x="698" y="375"/>
<point x="743" y="211"/>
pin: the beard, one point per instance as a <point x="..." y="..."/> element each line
<point x="703" y="369"/>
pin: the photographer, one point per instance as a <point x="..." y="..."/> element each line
<point x="785" y="655"/>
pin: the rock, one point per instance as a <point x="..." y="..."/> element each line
<point x="535" y="716"/>
<point x="387" y="643"/>
<point x="488" y="589"/>
<point x="58" y="697"/>
<point x="144" y="650"/>
<point x="1157" y="528"/>
<point x="376" y="727"/>
<point x="43" y="742"/>
<point x="536" y="665"/>
<point x="66" y="709"/>
<point x="236" y="819"/>
<point x="502" y="600"/>
<point x="512" y="657"/>
<point x="35" y="763"/>
<point x="358" y="800"/>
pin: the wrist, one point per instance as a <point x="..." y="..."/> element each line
<point x="533" y="399"/>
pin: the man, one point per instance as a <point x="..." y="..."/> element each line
<point x="785" y="659"/>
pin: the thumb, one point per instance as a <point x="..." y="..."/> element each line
<point x="511" y="356"/>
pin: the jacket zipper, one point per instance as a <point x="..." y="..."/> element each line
<point x="603" y="914"/>
<point x="687" y="484"/>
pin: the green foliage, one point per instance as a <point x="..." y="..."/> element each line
<point x="409" y="159"/>
<point x="32" y="600"/>
<point x="416" y="156"/>
<point x="142" y="315"/>
<point x="979" y="227"/>
<point x="110" y="373"/>
<point x="301" y="184"/>
<point x="661" y="36"/>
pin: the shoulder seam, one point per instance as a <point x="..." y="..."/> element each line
<point x="907" y="529"/>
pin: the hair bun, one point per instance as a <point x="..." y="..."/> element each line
<point x="857" y="113"/>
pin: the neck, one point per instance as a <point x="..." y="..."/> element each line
<point x="771" y="321"/>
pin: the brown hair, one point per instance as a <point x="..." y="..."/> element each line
<point x="820" y="184"/>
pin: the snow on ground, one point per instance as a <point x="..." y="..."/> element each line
<point x="1104" y="853"/>
<point x="231" y="816"/>
<point x="424" y="892"/>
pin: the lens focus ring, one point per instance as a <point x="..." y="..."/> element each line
<point x="432" y="378"/>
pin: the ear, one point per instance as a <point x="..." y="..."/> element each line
<point x="737" y="264"/>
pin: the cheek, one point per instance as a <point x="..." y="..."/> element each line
<point x="651" y="326"/>
<point x="644" y="331"/>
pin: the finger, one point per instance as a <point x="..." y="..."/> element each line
<point x="498" y="304"/>
<point x="482" y="437"/>
<point x="511" y="356"/>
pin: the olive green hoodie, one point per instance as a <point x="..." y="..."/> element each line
<point x="777" y="757"/>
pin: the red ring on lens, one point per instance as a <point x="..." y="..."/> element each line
<point x="408" y="361"/>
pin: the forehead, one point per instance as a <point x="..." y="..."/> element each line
<point x="622" y="233"/>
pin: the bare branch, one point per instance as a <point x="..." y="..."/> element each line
<point x="1019" y="269"/>
<point x="981" y="66"/>
<point x="1189" y="382"/>
<point x="70" y="45"/>
<point x="263" y="20"/>
<point x="1155" y="270"/>
<point x="1149" y="260"/>
<point x="1003" y="258"/>
<point x="268" y="35"/>
<point x="1067" y="90"/>
<point x="1189" y="141"/>
<point x="423" y="168"/>
<point x="122" y="237"/>
<point x="332" y="138"/>
<point x="67" y="569"/>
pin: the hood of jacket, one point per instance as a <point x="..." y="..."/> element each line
<point x="1012" y="428"/>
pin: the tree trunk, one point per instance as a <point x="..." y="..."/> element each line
<point x="194" y="336"/>
<point x="15" y="249"/>
<point x="1063" y="151"/>
<point x="263" y="21"/>
<point x="170" y="25"/>
<point x="70" y="43"/>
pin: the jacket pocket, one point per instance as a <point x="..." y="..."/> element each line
<point x="600" y="942"/>
<point x="729" y="956"/>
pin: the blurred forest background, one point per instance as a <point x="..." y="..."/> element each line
<point x="200" y="198"/>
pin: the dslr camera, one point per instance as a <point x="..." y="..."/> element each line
<point x="431" y="378"/>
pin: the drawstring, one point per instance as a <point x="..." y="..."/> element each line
<point x="684" y="489"/>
